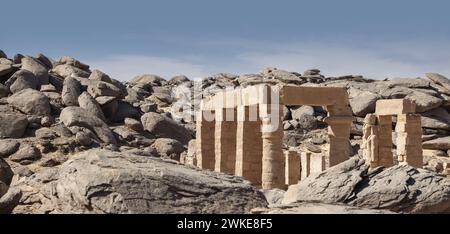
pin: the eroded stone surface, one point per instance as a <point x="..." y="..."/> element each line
<point x="101" y="181"/>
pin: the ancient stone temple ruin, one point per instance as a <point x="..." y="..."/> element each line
<point x="240" y="132"/>
<point x="377" y="139"/>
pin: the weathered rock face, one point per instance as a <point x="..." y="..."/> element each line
<point x="87" y="102"/>
<point x="149" y="80"/>
<point x="362" y="102"/>
<point x="12" y="125"/>
<point x="30" y="102"/>
<point x="70" y="92"/>
<point x="6" y="174"/>
<point x="164" y="127"/>
<point x="8" y="147"/>
<point x="4" y="91"/>
<point x="77" y="116"/>
<point x="438" y="143"/>
<point x="100" y="88"/>
<point x="167" y="147"/>
<point x="439" y="79"/>
<point x="100" y="181"/>
<point x="318" y="208"/>
<point x="26" y="155"/>
<point x="9" y="198"/>
<point x="20" y="80"/>
<point x="37" y="68"/>
<point x="66" y="70"/>
<point x="399" y="188"/>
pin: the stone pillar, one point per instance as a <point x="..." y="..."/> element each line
<point x="370" y="140"/>
<point x="272" y="138"/>
<point x="249" y="144"/>
<point x="409" y="140"/>
<point x="385" y="157"/>
<point x="225" y="140"/>
<point x="339" y="134"/>
<point x="316" y="164"/>
<point x="205" y="140"/>
<point x="305" y="162"/>
<point x="293" y="168"/>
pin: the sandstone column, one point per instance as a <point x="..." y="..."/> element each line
<point x="205" y="140"/>
<point x="409" y="140"/>
<point x="316" y="164"/>
<point x="370" y="140"/>
<point x="271" y="112"/>
<point x="249" y="144"/>
<point x="292" y="167"/>
<point x="305" y="162"/>
<point x="385" y="157"/>
<point x="225" y="140"/>
<point x="339" y="134"/>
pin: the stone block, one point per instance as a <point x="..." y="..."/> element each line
<point x="395" y="107"/>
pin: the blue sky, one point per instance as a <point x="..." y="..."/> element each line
<point x="197" y="38"/>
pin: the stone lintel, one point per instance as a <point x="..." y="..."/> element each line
<point x="395" y="107"/>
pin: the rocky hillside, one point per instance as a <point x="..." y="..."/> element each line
<point x="60" y="120"/>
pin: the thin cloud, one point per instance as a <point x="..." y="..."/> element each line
<point x="125" y="67"/>
<point x="376" y="60"/>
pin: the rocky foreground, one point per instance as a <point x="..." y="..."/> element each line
<point x="75" y="140"/>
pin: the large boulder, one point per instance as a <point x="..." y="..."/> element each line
<point x="12" y="125"/>
<point x="101" y="88"/>
<point x="99" y="76"/>
<point x="6" y="174"/>
<point x="77" y="116"/>
<point x="73" y="62"/>
<point x="8" y="147"/>
<point x="37" y="68"/>
<point x="167" y="147"/>
<point x="362" y="102"/>
<point x="101" y="181"/>
<point x="442" y="143"/>
<point x="22" y="79"/>
<point x="4" y="90"/>
<point x="46" y="61"/>
<point x="176" y="80"/>
<point x="148" y="79"/>
<point x="437" y="118"/>
<point x="30" y="101"/>
<point x="400" y="188"/>
<point x="439" y="79"/>
<point x="87" y="102"/>
<point x="424" y="101"/>
<point x="2" y="54"/>
<point x="5" y="71"/>
<point x="70" y="91"/>
<point x="26" y="155"/>
<point x="10" y="200"/>
<point x="164" y="127"/>
<point x="66" y="70"/>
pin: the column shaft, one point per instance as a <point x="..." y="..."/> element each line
<point x="249" y="145"/>
<point x="272" y="137"/>
<point x="409" y="140"/>
<point x="225" y="140"/>
<point x="205" y="141"/>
